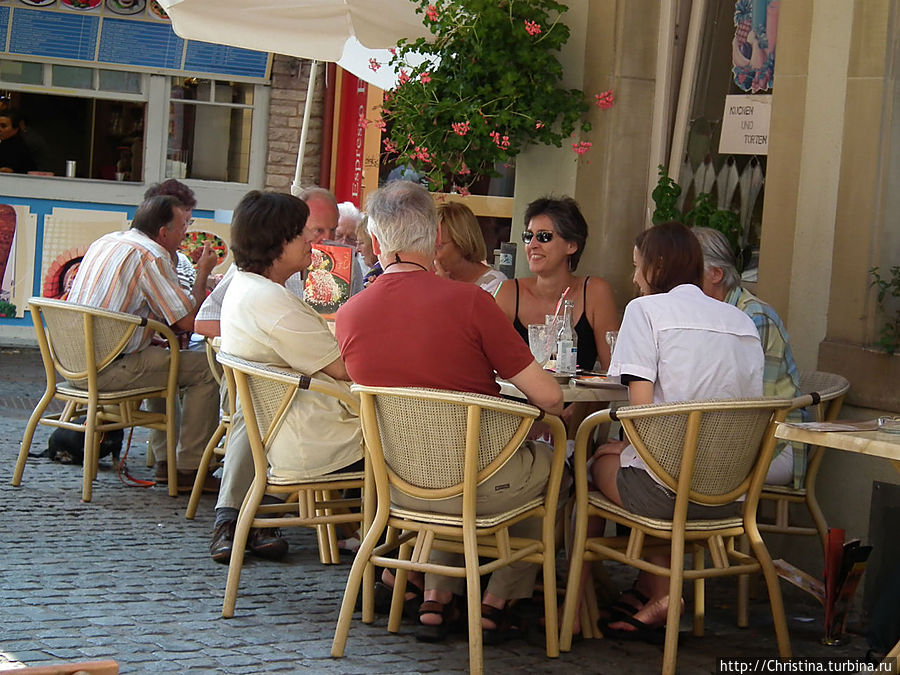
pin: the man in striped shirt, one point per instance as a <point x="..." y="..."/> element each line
<point x="133" y="272"/>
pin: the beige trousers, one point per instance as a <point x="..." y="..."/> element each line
<point x="199" y="408"/>
<point x="521" y="479"/>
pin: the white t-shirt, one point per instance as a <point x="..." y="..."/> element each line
<point x="263" y="321"/>
<point x="691" y="347"/>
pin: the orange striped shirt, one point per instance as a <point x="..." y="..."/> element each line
<point x="130" y="272"/>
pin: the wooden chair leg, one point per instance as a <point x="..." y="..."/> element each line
<point x="699" y="592"/>
<point x="775" y="599"/>
<point x="551" y="619"/>
<point x="673" y="618"/>
<point x="89" y="450"/>
<point x="29" y="436"/>
<point x="357" y="570"/>
<point x="473" y="596"/>
<point x="239" y="545"/>
<point x="171" y="442"/>
<point x="202" y="470"/>
<point x="743" y="600"/>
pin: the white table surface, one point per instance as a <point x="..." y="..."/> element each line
<point x="574" y="392"/>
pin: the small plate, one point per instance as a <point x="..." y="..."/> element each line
<point x="125" y="9"/>
<point x="562" y="379"/>
<point x="81" y="5"/>
<point x="598" y="381"/>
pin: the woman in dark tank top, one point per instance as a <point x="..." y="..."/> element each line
<point x="555" y="236"/>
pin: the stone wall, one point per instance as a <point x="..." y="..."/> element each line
<point x="290" y="78"/>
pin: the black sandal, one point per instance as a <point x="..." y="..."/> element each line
<point x="384" y="595"/>
<point x="450" y="616"/>
<point x="508" y="624"/>
<point x="621" y="609"/>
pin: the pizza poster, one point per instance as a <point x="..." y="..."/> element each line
<point x="327" y="284"/>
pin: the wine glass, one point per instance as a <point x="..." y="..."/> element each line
<point x="611" y="337"/>
<point x="539" y="342"/>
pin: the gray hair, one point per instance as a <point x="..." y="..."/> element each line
<point x="403" y="217"/>
<point x="717" y="252"/>
<point x="349" y="210"/>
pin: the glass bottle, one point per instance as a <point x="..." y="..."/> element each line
<point x="566" y="342"/>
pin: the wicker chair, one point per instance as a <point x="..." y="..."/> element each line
<point x="222" y="431"/>
<point x="432" y="444"/>
<point x="266" y="394"/>
<point x="708" y="452"/>
<point x="77" y="343"/>
<point x="829" y="389"/>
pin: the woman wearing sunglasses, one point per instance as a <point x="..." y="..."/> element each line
<point x="554" y="237"/>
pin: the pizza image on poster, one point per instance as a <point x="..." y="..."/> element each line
<point x="327" y="284"/>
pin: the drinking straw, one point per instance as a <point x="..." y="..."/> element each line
<point x="552" y="330"/>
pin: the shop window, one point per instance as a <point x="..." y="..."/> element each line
<point x="73" y="77"/>
<point x="23" y="72"/>
<point x="120" y="80"/>
<point x="209" y="130"/>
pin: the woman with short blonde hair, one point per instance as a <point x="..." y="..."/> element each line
<point x="461" y="251"/>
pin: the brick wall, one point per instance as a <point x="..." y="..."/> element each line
<point x="290" y="79"/>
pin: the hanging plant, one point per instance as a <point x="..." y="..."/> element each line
<point x="489" y="86"/>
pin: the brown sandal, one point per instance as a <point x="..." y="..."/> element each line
<point x="450" y="617"/>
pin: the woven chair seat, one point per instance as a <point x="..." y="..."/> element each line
<point x="325" y="478"/>
<point x="787" y="490"/>
<point x="486" y="521"/>
<point x="143" y="392"/>
<point x="599" y="501"/>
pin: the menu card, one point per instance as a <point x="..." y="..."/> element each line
<point x="327" y="284"/>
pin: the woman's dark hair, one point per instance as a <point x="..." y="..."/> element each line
<point x="175" y="188"/>
<point x="14" y="115"/>
<point x="263" y="223"/>
<point x="155" y="213"/>
<point x="670" y="256"/>
<point x="566" y="218"/>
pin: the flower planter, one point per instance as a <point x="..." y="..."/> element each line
<point x="874" y="375"/>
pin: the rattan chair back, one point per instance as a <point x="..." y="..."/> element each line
<point x="830" y="387"/>
<point x="80" y="339"/>
<point x="424" y="435"/>
<point x="718" y="441"/>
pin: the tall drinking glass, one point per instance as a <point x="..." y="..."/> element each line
<point x="539" y="342"/>
<point x="611" y="337"/>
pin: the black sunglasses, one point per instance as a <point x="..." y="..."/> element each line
<point x="543" y="236"/>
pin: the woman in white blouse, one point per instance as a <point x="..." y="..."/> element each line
<point x="675" y="344"/>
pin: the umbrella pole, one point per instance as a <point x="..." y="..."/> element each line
<point x="307" y="110"/>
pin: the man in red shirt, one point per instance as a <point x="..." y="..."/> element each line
<point x="411" y="328"/>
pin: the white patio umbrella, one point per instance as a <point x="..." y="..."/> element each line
<point x="349" y="32"/>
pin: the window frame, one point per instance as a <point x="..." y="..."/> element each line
<point x="156" y="94"/>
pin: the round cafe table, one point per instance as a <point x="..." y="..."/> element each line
<point x="596" y="390"/>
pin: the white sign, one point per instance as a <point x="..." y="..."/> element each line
<point x="745" y="125"/>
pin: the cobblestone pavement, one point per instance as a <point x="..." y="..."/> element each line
<point x="127" y="577"/>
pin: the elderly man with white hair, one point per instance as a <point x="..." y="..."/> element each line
<point x="780" y="376"/>
<point x="443" y="334"/>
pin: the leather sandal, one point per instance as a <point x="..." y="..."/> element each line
<point x="507" y="622"/>
<point x="623" y="607"/>
<point x="384" y="595"/>
<point x="450" y="617"/>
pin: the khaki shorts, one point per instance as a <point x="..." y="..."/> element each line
<point x="644" y="496"/>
